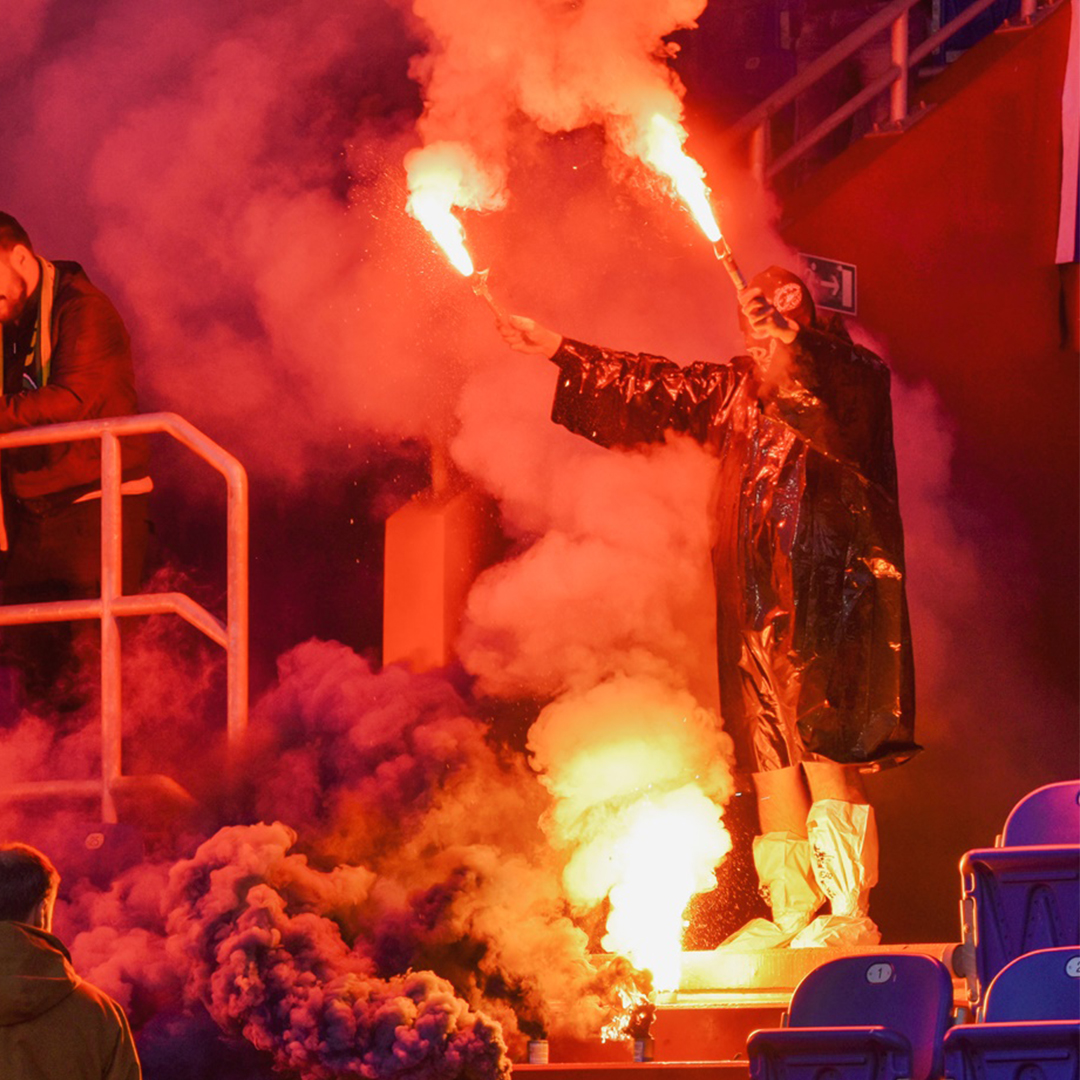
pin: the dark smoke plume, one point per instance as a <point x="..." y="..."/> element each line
<point x="271" y="966"/>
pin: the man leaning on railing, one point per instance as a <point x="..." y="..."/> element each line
<point x="66" y="357"/>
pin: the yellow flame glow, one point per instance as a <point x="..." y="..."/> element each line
<point x="662" y="149"/>
<point x="667" y="854"/>
<point x="442" y="176"/>
<point x="430" y="203"/>
<point x="651" y="856"/>
<point x="629" y="1000"/>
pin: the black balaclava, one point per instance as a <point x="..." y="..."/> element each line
<point x="787" y="293"/>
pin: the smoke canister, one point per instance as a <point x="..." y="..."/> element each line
<point x="643" y="1048"/>
<point x="538" y="1051"/>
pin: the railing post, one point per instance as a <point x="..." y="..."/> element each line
<point x="898" y="93"/>
<point x="238" y="611"/>
<point x="1027" y="9"/>
<point x="111" y="588"/>
<point x="759" y="150"/>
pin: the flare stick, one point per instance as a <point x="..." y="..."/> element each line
<point x="723" y="252"/>
<point x="478" y="280"/>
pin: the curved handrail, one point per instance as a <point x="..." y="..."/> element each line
<point x="895" y="17"/>
<point x="232" y="634"/>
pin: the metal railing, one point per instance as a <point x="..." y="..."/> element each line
<point x="758" y="122"/>
<point x="232" y="635"/>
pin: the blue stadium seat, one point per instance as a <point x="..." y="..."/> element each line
<point x="1024" y="894"/>
<point x="1047" y="815"/>
<point x="1032" y="1023"/>
<point x="874" y="1016"/>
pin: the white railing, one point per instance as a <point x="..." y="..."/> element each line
<point x="111" y="605"/>
<point x="758" y="122"/>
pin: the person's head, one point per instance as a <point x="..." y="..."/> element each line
<point x="19" y="269"/>
<point x="28" y="886"/>
<point x="789" y="295"/>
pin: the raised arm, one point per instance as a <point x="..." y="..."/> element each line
<point x="621" y="398"/>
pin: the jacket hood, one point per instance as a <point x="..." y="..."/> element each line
<point x="35" y="973"/>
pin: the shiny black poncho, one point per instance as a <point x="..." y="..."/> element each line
<point x="813" y="641"/>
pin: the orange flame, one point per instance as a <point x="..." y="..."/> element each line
<point x="431" y="205"/>
<point x="667" y="854"/>
<point x="649" y="852"/>
<point x="638" y="773"/>
<point x="442" y="176"/>
<point x="661" y="147"/>
<point x="629" y="1000"/>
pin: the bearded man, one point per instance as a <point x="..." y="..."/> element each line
<point x="66" y="357"/>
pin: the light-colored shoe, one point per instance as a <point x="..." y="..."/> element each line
<point x="843" y="839"/>
<point x="837" y="931"/>
<point x="786" y="882"/>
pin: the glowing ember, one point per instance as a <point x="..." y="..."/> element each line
<point x="635" y="1012"/>
<point x="661" y="147"/>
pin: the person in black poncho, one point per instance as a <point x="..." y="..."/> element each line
<point x="813" y="640"/>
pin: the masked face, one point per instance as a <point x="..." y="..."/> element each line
<point x="15" y="285"/>
<point x="785" y="292"/>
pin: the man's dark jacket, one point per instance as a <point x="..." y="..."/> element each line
<point x="91" y="377"/>
<point x="53" y="1024"/>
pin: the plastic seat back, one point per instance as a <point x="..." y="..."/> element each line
<point x="1043" y="985"/>
<point x="906" y="992"/>
<point x="1023" y="894"/>
<point x="1031" y="1028"/>
<point x="1047" y="815"/>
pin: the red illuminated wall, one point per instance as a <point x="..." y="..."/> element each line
<point x="952" y="226"/>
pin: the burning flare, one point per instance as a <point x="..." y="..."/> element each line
<point x="638" y="775"/>
<point x="661" y="147"/>
<point x="442" y="176"/>
<point x="431" y="206"/>
<point x="667" y="854"/>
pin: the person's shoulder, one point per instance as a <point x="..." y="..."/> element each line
<point x="75" y="288"/>
<point x="92" y="1020"/>
<point x="79" y="304"/>
<point x="832" y="338"/>
<point x="95" y="997"/>
<point x="73" y="283"/>
<point x="90" y="1008"/>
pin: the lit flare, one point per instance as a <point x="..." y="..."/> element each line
<point x="668" y="853"/>
<point x="431" y="204"/>
<point x="650" y="856"/>
<point x="441" y="177"/>
<point x="662" y="149"/>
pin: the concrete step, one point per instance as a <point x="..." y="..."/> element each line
<point x="723" y="996"/>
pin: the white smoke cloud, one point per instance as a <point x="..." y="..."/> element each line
<point x="563" y="65"/>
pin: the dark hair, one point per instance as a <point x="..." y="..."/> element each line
<point x="12" y="233"/>
<point x="26" y="878"/>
